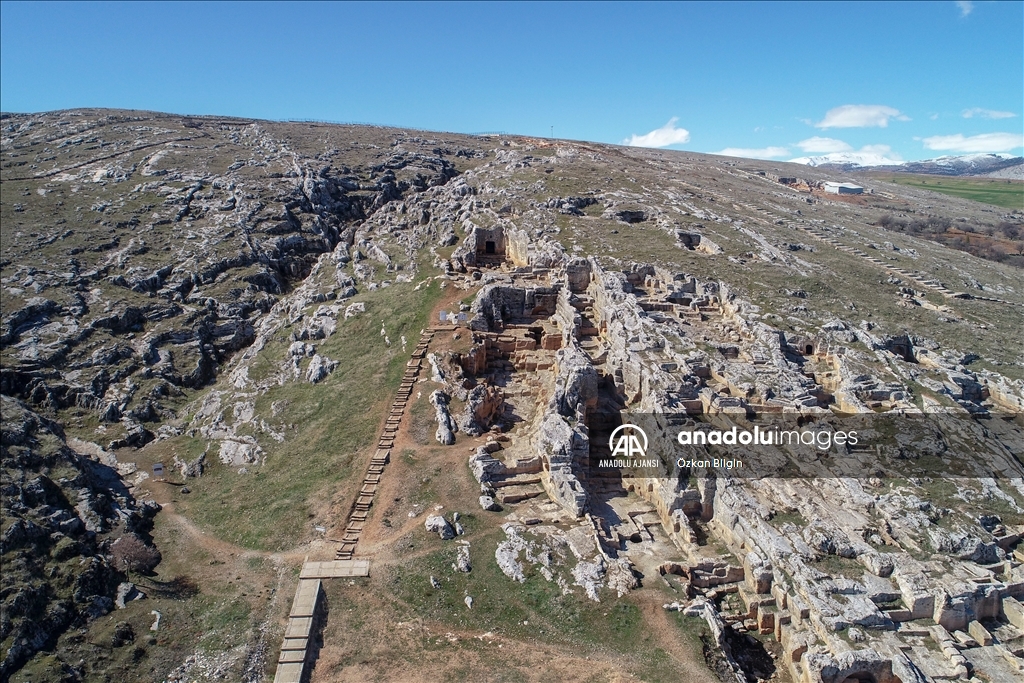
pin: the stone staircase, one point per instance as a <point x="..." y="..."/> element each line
<point x="360" y="509"/>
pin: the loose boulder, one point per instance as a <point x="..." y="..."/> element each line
<point x="440" y="526"/>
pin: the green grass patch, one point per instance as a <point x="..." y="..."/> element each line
<point x="536" y="609"/>
<point x="326" y="426"/>
<point x="834" y="565"/>
<point x="417" y="616"/>
<point x="789" y="517"/>
<point x="1002" y="192"/>
<point x="226" y="616"/>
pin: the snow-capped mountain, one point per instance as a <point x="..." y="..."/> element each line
<point x="967" y="164"/>
<point x="848" y="159"/>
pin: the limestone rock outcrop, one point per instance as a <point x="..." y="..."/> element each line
<point x="446" y="425"/>
<point x="440" y="526"/>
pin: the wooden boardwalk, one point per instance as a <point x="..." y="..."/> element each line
<point x="294" y="662"/>
<point x="364" y="501"/>
<point x="335" y="570"/>
<point x="302" y="621"/>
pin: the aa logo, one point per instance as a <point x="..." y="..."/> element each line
<point x="628" y="441"/>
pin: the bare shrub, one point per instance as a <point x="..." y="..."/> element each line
<point x="131" y="553"/>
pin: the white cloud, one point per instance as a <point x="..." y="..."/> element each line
<point x="763" y="153"/>
<point x="966" y="7"/>
<point x="820" y="145"/>
<point x="860" y="116"/>
<point x="987" y="113"/>
<point x="660" y="137"/>
<point x="934" y="117"/>
<point x="986" y="142"/>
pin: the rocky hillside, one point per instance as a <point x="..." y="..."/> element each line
<point x="129" y="282"/>
<point x="140" y="253"/>
<point x="59" y="507"/>
<point x="204" y="290"/>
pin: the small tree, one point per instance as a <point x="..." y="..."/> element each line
<point x="131" y="553"/>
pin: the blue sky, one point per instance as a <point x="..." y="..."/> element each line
<point x="895" y="80"/>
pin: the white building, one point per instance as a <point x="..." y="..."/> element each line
<point x="842" y="188"/>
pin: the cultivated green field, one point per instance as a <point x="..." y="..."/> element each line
<point x="998" y="191"/>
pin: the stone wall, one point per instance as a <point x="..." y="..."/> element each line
<point x="498" y="304"/>
<point x="567" y="317"/>
<point x="577" y="274"/>
<point x="494" y="305"/>
<point x="495" y="235"/>
<point x="561" y="446"/>
<point x="517" y="247"/>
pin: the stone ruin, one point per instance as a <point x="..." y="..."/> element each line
<point x="565" y="347"/>
<point x="694" y="241"/>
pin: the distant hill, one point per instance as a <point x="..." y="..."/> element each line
<point x="1012" y="172"/>
<point x="998" y="165"/>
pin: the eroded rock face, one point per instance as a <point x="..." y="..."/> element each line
<point x="462" y="563"/>
<point x="562" y="445"/>
<point x="507" y="554"/>
<point x="126" y="592"/>
<point x="319" y="368"/>
<point x="576" y="386"/>
<point x="485" y="466"/>
<point x="52" y="521"/>
<point x="589" y="575"/>
<point x="483" y="405"/>
<point x="192" y="468"/>
<point x="238" y="452"/>
<point x="620" y="576"/>
<point x="656" y="366"/>
<point x="211" y="255"/>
